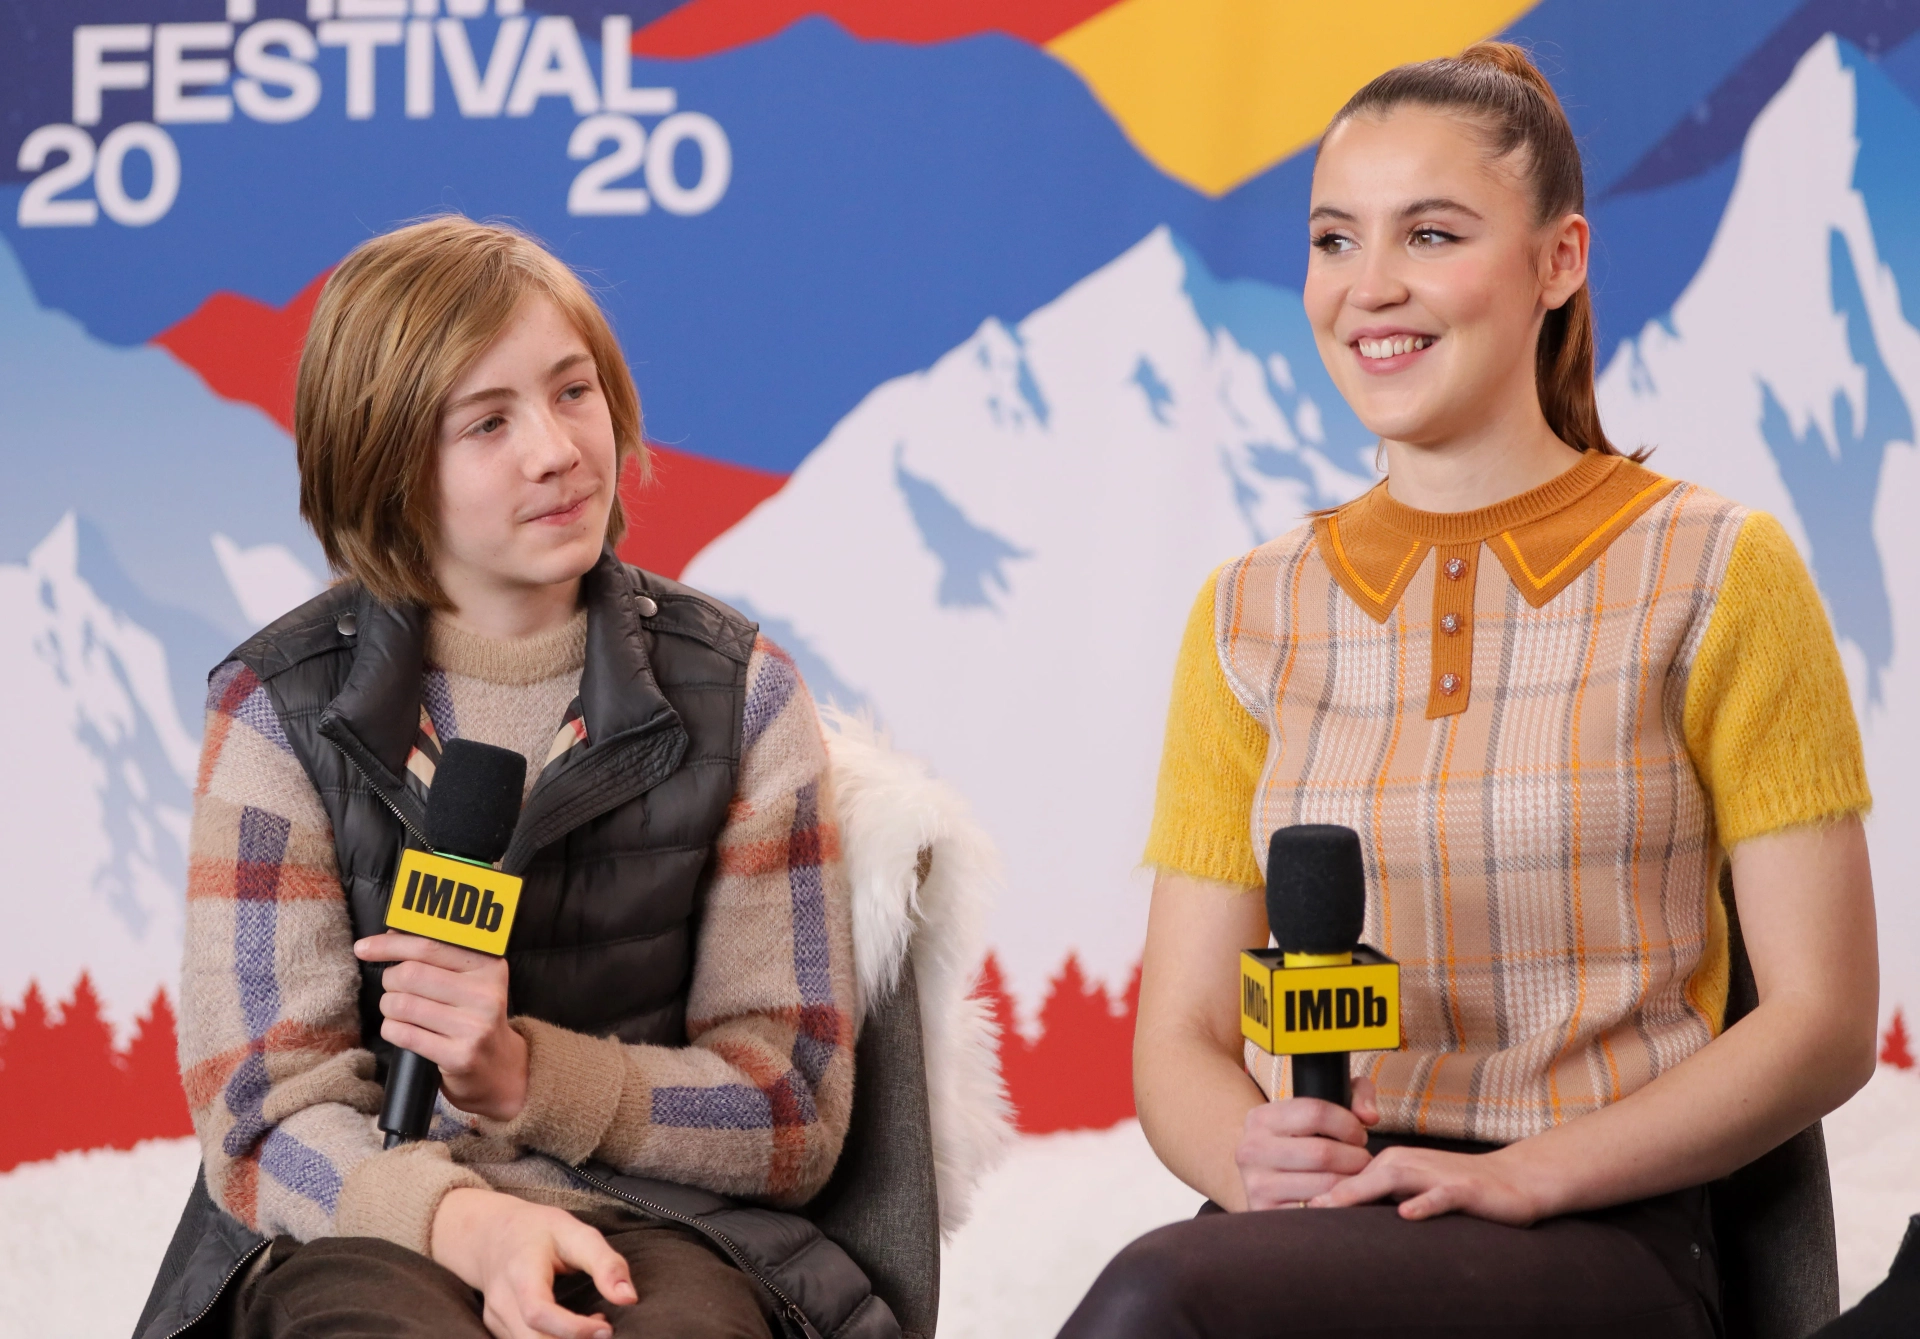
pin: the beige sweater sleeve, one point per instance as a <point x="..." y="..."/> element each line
<point x="757" y="1105"/>
<point x="280" y="1089"/>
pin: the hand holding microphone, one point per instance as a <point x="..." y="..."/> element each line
<point x="1317" y="996"/>
<point x="1322" y="993"/>
<point x="445" y="1004"/>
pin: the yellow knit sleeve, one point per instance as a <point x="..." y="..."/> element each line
<point x="1768" y="719"/>
<point x="1209" y="766"/>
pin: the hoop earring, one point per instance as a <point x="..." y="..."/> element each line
<point x="1379" y="450"/>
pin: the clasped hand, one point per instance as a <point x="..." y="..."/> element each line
<point x="449" y="1005"/>
<point x="1305" y="1153"/>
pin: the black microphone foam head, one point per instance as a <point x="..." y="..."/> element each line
<point x="1316" y="888"/>
<point x="475" y="800"/>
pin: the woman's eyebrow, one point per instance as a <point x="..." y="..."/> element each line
<point x="581" y="357"/>
<point x="1329" y="212"/>
<point x="1435" y="204"/>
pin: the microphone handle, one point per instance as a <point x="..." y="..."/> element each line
<point x="1324" y="1076"/>
<point x="412" y="1083"/>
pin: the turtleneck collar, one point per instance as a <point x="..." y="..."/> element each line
<point x="507" y="660"/>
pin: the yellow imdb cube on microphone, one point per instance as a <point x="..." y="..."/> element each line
<point x="455" y="901"/>
<point x="1326" y="1007"/>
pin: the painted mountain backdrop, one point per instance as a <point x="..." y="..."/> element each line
<point x="964" y="386"/>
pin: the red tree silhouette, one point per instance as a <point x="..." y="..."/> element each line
<point x="63" y="1084"/>
<point x="1893" y="1047"/>
<point x="1078" y="1073"/>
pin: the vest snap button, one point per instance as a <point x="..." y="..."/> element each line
<point x="1449" y="684"/>
<point x="646" y="606"/>
<point x="1449" y="623"/>
<point x="1456" y="568"/>
<point x="347" y="624"/>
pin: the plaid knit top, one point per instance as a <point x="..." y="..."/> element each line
<point x="1548" y="720"/>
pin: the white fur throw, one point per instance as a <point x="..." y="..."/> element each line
<point x="891" y="811"/>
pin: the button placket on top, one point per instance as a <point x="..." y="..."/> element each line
<point x="1454" y="573"/>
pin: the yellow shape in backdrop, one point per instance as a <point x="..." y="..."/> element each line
<point x="1216" y="91"/>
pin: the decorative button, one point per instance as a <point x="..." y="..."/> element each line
<point x="646" y="606"/>
<point x="1449" y="623"/>
<point x="1455" y="568"/>
<point x="1449" y="684"/>
<point x="347" y="624"/>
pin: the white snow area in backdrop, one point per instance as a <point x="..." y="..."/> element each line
<point x="82" y="1234"/>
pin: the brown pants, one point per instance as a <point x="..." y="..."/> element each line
<point x="1640" y="1271"/>
<point x="364" y="1288"/>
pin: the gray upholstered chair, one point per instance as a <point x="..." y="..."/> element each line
<point x="1773" y="1219"/>
<point x="881" y="1205"/>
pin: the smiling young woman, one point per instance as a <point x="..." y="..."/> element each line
<point x="1555" y="693"/>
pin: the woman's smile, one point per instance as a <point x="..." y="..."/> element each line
<point x="1384" y="351"/>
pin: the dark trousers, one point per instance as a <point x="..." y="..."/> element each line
<point x="365" y="1288"/>
<point x="1644" y="1270"/>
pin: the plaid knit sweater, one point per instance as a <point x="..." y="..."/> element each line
<point x="1548" y="720"/>
<point x="281" y="1089"/>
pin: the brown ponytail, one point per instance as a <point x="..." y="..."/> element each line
<point x="1502" y="90"/>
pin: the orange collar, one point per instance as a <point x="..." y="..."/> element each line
<point x="1544" y="537"/>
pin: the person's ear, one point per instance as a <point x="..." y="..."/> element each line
<point x="1563" y="259"/>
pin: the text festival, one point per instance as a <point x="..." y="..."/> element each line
<point x="269" y="70"/>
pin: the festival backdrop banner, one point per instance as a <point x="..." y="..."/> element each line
<point x="968" y="334"/>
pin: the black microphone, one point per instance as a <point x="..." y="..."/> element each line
<point x="1316" y="906"/>
<point x="454" y="894"/>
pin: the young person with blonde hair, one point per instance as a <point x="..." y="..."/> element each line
<point x="1553" y="692"/>
<point x="671" y="1028"/>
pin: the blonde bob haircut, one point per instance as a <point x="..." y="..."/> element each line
<point x="396" y="325"/>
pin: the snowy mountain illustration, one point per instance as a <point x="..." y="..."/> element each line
<point x="138" y="447"/>
<point x="998" y="555"/>
<point x="1787" y="376"/>
<point x="148" y="527"/>
<point x="97" y="792"/>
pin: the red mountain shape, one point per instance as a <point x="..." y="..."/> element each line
<point x="245" y="350"/>
<point x="690" y="501"/>
<point x="703" y="27"/>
